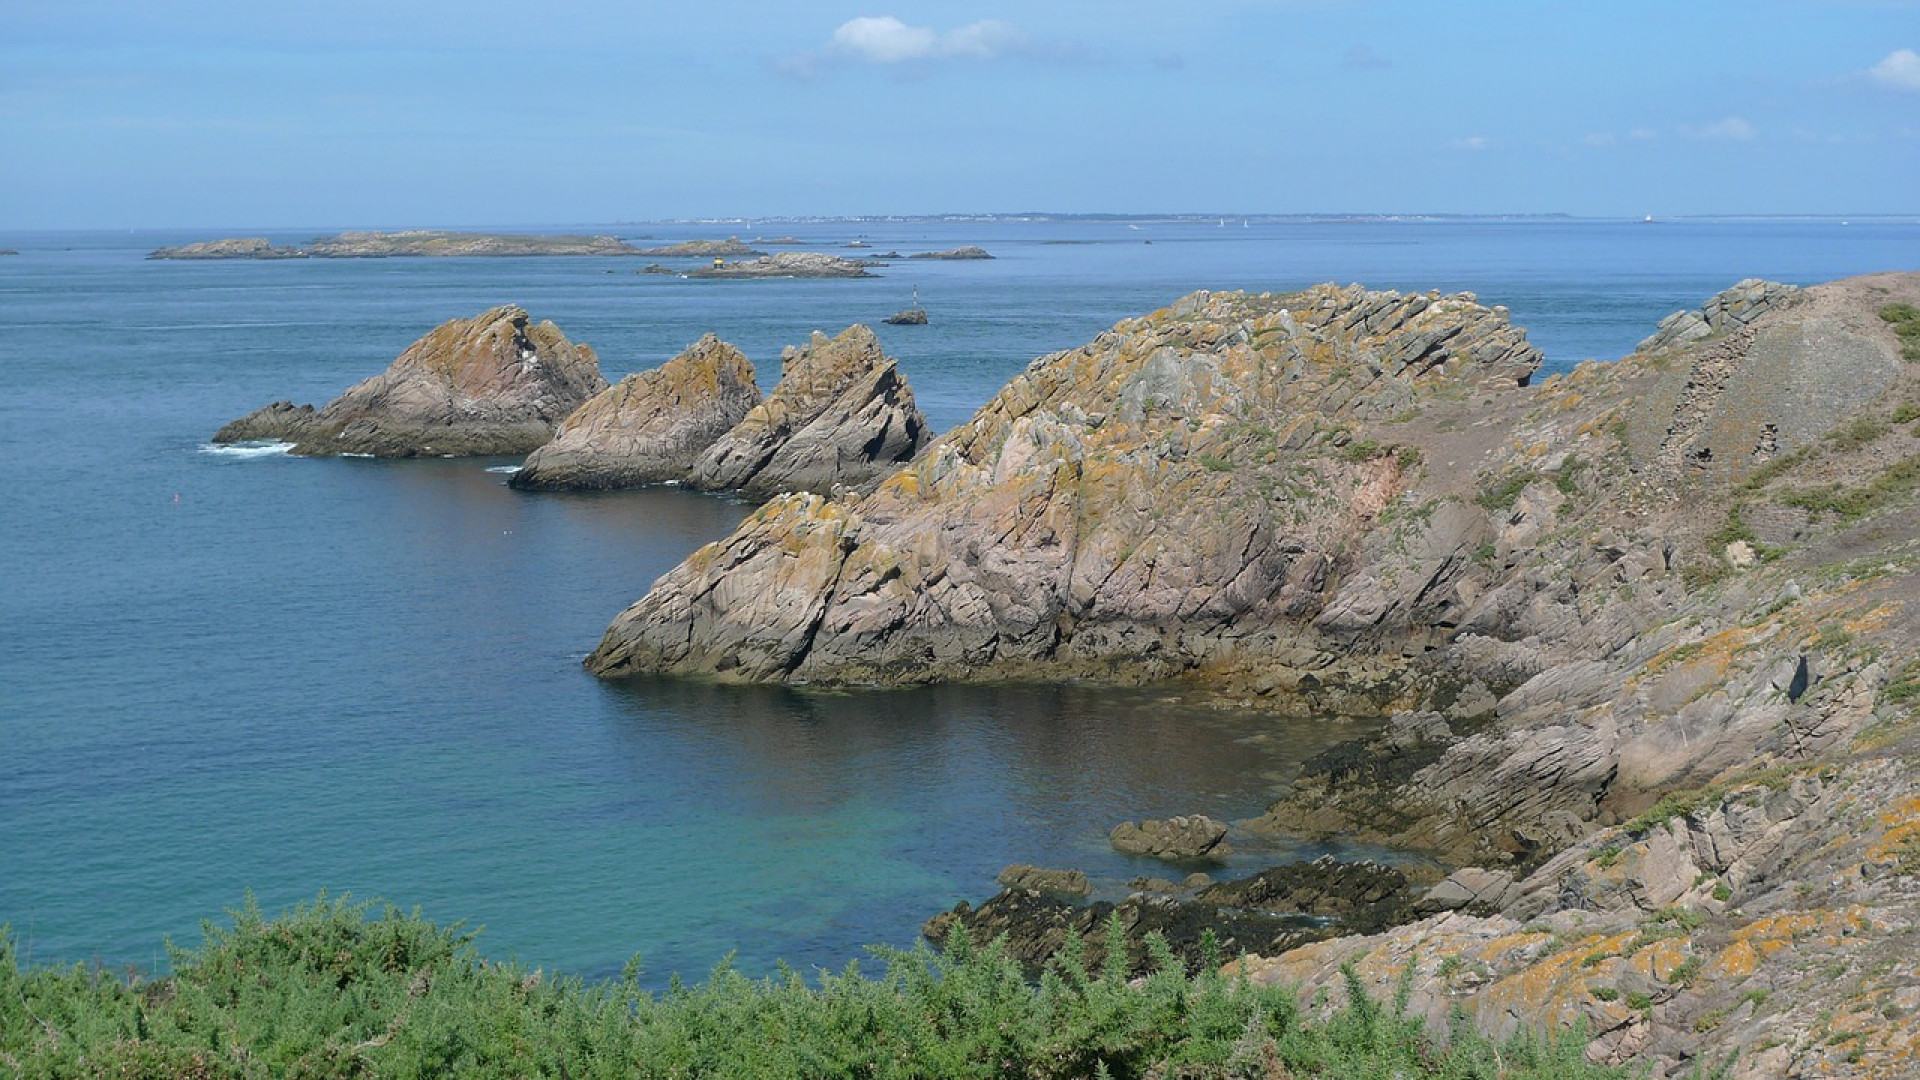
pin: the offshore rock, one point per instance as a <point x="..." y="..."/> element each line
<point x="959" y="253"/>
<point x="1186" y="493"/>
<point x="250" y="247"/>
<point x="842" y="415"/>
<point x="1175" y="839"/>
<point x="497" y="383"/>
<point x="649" y="428"/>
<point x="787" y="264"/>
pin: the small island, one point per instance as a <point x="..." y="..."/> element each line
<point x="957" y="254"/>
<point x="787" y="264"/>
<point x="730" y="248"/>
<point x="413" y="243"/>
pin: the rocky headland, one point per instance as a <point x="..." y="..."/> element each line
<point x="1645" y="632"/>
<point x="413" y="243"/>
<point x="788" y="264"/>
<point x="650" y="427"/>
<point x="497" y="383"/>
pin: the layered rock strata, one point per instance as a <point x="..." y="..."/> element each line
<point x="650" y="427"/>
<point x="497" y="383"/>
<point x="841" y="415"/>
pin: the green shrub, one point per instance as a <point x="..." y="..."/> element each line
<point x="336" y="989"/>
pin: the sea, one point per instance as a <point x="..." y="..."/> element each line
<point x="230" y="675"/>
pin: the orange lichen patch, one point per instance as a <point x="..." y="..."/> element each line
<point x="1659" y="959"/>
<point x="1558" y="986"/>
<point x="1902" y="824"/>
<point x="1736" y="961"/>
<point x="1870" y="620"/>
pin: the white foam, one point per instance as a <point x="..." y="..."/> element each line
<point x="509" y="469"/>
<point x="252" y="448"/>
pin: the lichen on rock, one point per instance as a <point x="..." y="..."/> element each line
<point x="497" y="383"/>
<point x="650" y="427"/>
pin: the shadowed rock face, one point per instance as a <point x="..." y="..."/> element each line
<point x="1180" y="491"/>
<point x="842" y="414"/>
<point x="651" y="427"/>
<point x="493" y="384"/>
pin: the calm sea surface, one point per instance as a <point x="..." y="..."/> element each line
<point x="223" y="672"/>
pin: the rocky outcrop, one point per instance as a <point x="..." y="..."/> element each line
<point x="413" y="243"/>
<point x="1185" y="493"/>
<point x="1177" y="839"/>
<point x="1053" y="882"/>
<point x="787" y="264"/>
<point x="1732" y="309"/>
<point x="841" y="415"/>
<point x="959" y="253"/>
<point x="497" y="383"/>
<point x="649" y="428"/>
<point x="909" y="317"/>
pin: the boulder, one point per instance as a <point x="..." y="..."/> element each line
<point x="1051" y="882"/>
<point x="842" y="414"/>
<point x="497" y="383"/>
<point x="649" y="428"/>
<point x="1176" y="839"/>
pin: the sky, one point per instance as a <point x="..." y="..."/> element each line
<point x="391" y="113"/>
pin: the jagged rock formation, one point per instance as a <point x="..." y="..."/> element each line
<point x="842" y="414"/>
<point x="497" y="383"/>
<point x="649" y="428"/>
<point x="1730" y="310"/>
<point x="788" y="264"/>
<point x="1182" y="493"/>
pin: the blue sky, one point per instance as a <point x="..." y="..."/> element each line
<point x="380" y="113"/>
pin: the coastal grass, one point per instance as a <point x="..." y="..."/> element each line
<point x="342" y="989"/>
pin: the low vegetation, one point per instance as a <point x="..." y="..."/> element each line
<point x="1905" y="320"/>
<point x="334" y="989"/>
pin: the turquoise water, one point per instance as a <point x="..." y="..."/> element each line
<point x="226" y="672"/>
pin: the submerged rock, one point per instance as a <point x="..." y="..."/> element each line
<point x="650" y="427"/>
<point x="841" y="415"/>
<point x="497" y="383"/>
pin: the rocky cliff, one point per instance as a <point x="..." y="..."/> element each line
<point x="841" y="415"/>
<point x="497" y="383"/>
<point x="649" y="428"/>
<point x="1646" y="633"/>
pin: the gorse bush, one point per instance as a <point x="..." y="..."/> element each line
<point x="334" y="989"/>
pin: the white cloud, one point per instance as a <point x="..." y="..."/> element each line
<point x="1731" y="129"/>
<point x="1899" y="71"/>
<point x="883" y="39"/>
<point x="1471" y="142"/>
